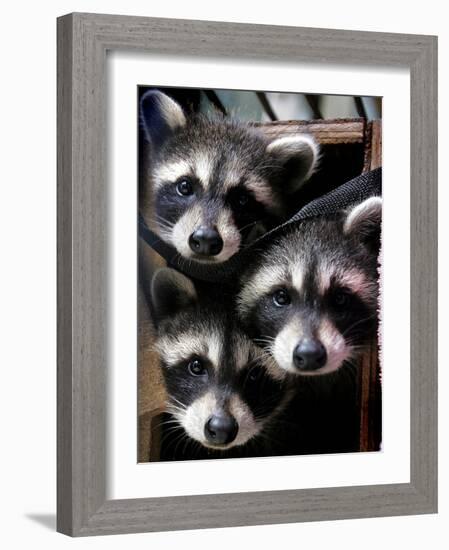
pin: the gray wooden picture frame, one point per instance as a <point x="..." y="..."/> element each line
<point x="83" y="40"/>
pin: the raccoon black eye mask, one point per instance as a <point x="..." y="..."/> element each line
<point x="216" y="185"/>
<point x="221" y="388"/>
<point x="310" y="299"/>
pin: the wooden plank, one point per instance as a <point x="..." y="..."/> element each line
<point x="327" y="131"/>
<point x="376" y="144"/>
<point x="150" y="386"/>
<point x="369" y="378"/>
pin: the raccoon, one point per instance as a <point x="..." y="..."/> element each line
<point x="223" y="392"/>
<point x="215" y="184"/>
<point x="311" y="298"/>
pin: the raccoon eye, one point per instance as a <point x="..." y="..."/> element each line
<point x="242" y="198"/>
<point x="281" y="298"/>
<point x="196" y="368"/>
<point x="254" y="375"/>
<point x="239" y="198"/>
<point x="340" y="298"/>
<point x="184" y="187"/>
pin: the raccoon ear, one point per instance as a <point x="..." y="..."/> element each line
<point x="161" y="116"/>
<point x="364" y="221"/>
<point x="170" y="292"/>
<point x="299" y="157"/>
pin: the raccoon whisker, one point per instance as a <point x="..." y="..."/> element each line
<point x="169" y="433"/>
<point x="175" y="410"/>
<point x="164" y="226"/>
<point x="357" y="350"/>
<point x="264" y="357"/>
<point x="176" y="441"/>
<point x="266" y="340"/>
<point x="200" y="447"/>
<point x="196" y="448"/>
<point x="165" y="423"/>
<point x="187" y="448"/>
<point x="264" y="348"/>
<point x="172" y="420"/>
<point x="364" y="320"/>
<point x="177" y="258"/>
<point x="183" y="437"/>
<point x="174" y="399"/>
<point x="259" y="412"/>
<point x="173" y="402"/>
<point x="186" y="444"/>
<point x="355" y="358"/>
<point x="165" y="235"/>
<point x="268" y="401"/>
<point x="245" y="246"/>
<point x="352" y="373"/>
<point x="183" y="262"/>
<point x="364" y="345"/>
<point x="269" y="359"/>
<point x="353" y="362"/>
<point x="249" y="225"/>
<point x="165" y="232"/>
<point x="265" y="437"/>
<point x="263" y="166"/>
<point x="266" y="353"/>
<point x="160" y="220"/>
<point x="346" y="371"/>
<point x="250" y="445"/>
<point x="281" y="420"/>
<point x="266" y="166"/>
<point x="255" y="361"/>
<point x="350" y="369"/>
<point x="354" y="345"/>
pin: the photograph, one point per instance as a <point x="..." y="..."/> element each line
<point x="259" y="273"/>
<point x="247" y="274"/>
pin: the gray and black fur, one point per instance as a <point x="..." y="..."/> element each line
<point x="223" y="392"/>
<point x="214" y="184"/>
<point x="311" y="298"/>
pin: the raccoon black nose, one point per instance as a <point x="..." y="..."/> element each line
<point x="206" y="241"/>
<point x="309" y="355"/>
<point x="221" y="429"/>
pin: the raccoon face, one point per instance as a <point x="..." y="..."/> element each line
<point x="311" y="301"/>
<point x="221" y="389"/>
<point x="216" y="184"/>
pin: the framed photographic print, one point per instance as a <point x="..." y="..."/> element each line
<point x="246" y="274"/>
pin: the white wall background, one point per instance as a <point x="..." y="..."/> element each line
<point x="27" y="260"/>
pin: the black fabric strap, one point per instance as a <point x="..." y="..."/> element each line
<point x="354" y="191"/>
